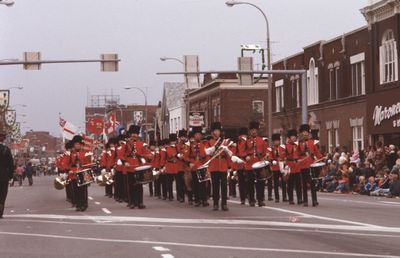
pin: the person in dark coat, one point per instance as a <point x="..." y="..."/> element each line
<point x="29" y="173"/>
<point x="6" y="171"/>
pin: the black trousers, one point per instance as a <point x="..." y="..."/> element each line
<point x="306" y="179"/>
<point x="242" y="181"/>
<point x="157" y="187"/>
<point x="219" y="182"/>
<point x="180" y="185"/>
<point x="294" y="181"/>
<point x="269" y="187"/>
<point x="163" y="185"/>
<point x="135" y="191"/>
<point x="151" y="189"/>
<point x="118" y="185"/>
<point x="199" y="189"/>
<point x="109" y="190"/>
<point x="232" y="184"/>
<point x="278" y="175"/>
<point x="168" y="190"/>
<point x="255" y="186"/>
<point x="3" y="196"/>
<point x="81" y="194"/>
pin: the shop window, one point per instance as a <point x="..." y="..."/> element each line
<point x="388" y="60"/>
<point x="279" y="95"/>
<point x="258" y="107"/>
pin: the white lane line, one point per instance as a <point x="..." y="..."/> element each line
<point x="317" y="217"/>
<point x="107" y="223"/>
<point x="161" y="249"/>
<point x="379" y="203"/>
<point x="240" y="248"/>
<point x="211" y="222"/>
<point x="90" y="198"/>
<point x="397" y="203"/>
<point x="167" y="256"/>
<point x="97" y="203"/>
<point x="105" y="210"/>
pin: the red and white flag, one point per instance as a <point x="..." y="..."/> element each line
<point x="89" y="143"/>
<point x="111" y="124"/>
<point x="68" y="130"/>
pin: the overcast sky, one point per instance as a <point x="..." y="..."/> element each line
<point x="141" y="31"/>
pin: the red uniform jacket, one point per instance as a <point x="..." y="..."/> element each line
<point x="132" y="154"/>
<point x="220" y="163"/>
<point x="108" y="159"/>
<point x="120" y="155"/>
<point x="172" y="161"/>
<point x="156" y="160"/>
<point x="196" y="155"/>
<point x="290" y="154"/>
<point x="76" y="162"/>
<point x="181" y="160"/>
<point x="274" y="155"/>
<point x="308" y="152"/>
<point x="256" y="149"/>
<point x="232" y="165"/>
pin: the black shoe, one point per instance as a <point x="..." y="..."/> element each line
<point x="215" y="207"/>
<point x="225" y="207"/>
<point x="276" y="201"/>
<point x="285" y="200"/>
<point x="78" y="209"/>
<point x="252" y="204"/>
<point x="164" y="198"/>
<point x="234" y="196"/>
<point x="171" y="199"/>
<point x="305" y="204"/>
<point x="182" y="200"/>
<point x="242" y="202"/>
<point x="205" y="204"/>
<point x="315" y="204"/>
<point x="291" y="202"/>
<point x="151" y="195"/>
<point x="300" y="202"/>
<point x="270" y="199"/>
<point x="197" y="204"/>
<point x="131" y="206"/>
<point x="261" y="203"/>
<point x="141" y="206"/>
<point x="190" y="203"/>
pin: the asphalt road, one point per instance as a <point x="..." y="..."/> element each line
<point x="39" y="223"/>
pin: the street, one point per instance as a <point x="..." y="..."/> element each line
<point x="38" y="222"/>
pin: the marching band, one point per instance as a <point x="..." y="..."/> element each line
<point x="201" y="167"/>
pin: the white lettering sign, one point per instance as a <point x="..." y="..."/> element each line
<point x="381" y="114"/>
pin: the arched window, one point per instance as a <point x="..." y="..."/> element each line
<point x="388" y="60"/>
<point x="312" y="89"/>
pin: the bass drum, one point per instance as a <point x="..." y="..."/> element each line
<point x="315" y="170"/>
<point x="84" y="177"/>
<point x="203" y="175"/>
<point x="262" y="170"/>
<point x="144" y="175"/>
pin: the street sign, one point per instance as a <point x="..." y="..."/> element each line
<point x="109" y="62"/>
<point x="196" y="119"/>
<point x="10" y="117"/>
<point x="32" y="57"/>
<point x="4" y="99"/>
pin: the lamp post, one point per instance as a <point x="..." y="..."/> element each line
<point x="232" y="3"/>
<point x="7" y="3"/>
<point x="171" y="59"/>
<point x="16" y="87"/>
<point x="145" y="105"/>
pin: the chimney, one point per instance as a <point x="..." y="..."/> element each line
<point x="246" y="64"/>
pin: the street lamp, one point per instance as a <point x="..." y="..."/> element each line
<point x="232" y="3"/>
<point x="7" y="3"/>
<point x="145" y="104"/>
<point x="171" y="58"/>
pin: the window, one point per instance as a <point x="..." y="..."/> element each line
<point x="258" y="107"/>
<point x="179" y="123"/>
<point x="312" y="89"/>
<point x="295" y="92"/>
<point x="279" y="95"/>
<point x="337" y="81"/>
<point x="388" y="61"/>
<point x="357" y="74"/>
<point x="330" y="141"/>
<point x="357" y="127"/>
<point x="171" y="126"/>
<point x="336" y="130"/>
<point x="332" y="83"/>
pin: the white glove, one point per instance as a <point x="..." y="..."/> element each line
<point x="143" y="161"/>
<point x="266" y="162"/>
<point x="210" y="151"/>
<point x="274" y="162"/>
<point x="103" y="171"/>
<point x="113" y="172"/>
<point x="179" y="155"/>
<point x="236" y="159"/>
<point x="119" y="163"/>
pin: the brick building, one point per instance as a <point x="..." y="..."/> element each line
<point x="43" y="143"/>
<point x="347" y="77"/>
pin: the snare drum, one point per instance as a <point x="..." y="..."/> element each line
<point x="315" y="169"/>
<point x="84" y="177"/>
<point x="261" y="170"/>
<point x="202" y="174"/>
<point x="144" y="174"/>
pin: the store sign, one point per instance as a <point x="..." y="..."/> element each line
<point x="196" y="119"/>
<point x="383" y="112"/>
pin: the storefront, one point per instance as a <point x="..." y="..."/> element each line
<point x="383" y="116"/>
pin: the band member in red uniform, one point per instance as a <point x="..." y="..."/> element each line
<point x="179" y="177"/>
<point x="242" y="153"/>
<point x="218" y="167"/>
<point x="269" y="180"/>
<point x="256" y="151"/>
<point x="156" y="164"/>
<point x="108" y="160"/>
<point x="196" y="156"/>
<point x="171" y="165"/>
<point x="290" y="154"/>
<point x="274" y="158"/>
<point x="78" y="160"/>
<point x="163" y="175"/>
<point x="309" y="152"/>
<point x="63" y="169"/>
<point x="120" y="186"/>
<point x="135" y="155"/>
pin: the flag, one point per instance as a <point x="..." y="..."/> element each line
<point x="111" y="124"/>
<point x="88" y="143"/>
<point x="95" y="126"/>
<point x="68" y="130"/>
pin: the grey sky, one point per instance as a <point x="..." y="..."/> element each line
<point x="141" y="32"/>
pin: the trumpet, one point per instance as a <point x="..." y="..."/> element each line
<point x="106" y="178"/>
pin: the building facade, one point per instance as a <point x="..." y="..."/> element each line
<point x="347" y="77"/>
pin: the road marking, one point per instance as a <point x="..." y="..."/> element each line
<point x="367" y="227"/>
<point x="239" y="248"/>
<point x="105" y="210"/>
<point x="316" y="216"/>
<point x="90" y="198"/>
<point x="107" y="223"/>
<point x="167" y="256"/>
<point x="97" y="203"/>
<point x="161" y="249"/>
<point x="397" y="203"/>
<point x="379" y="203"/>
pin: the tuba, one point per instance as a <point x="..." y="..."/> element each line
<point x="61" y="182"/>
<point x="106" y="178"/>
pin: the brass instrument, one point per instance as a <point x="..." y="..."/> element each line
<point x="105" y="179"/>
<point x="61" y="182"/>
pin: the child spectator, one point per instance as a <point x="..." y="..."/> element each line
<point x="371" y="185"/>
